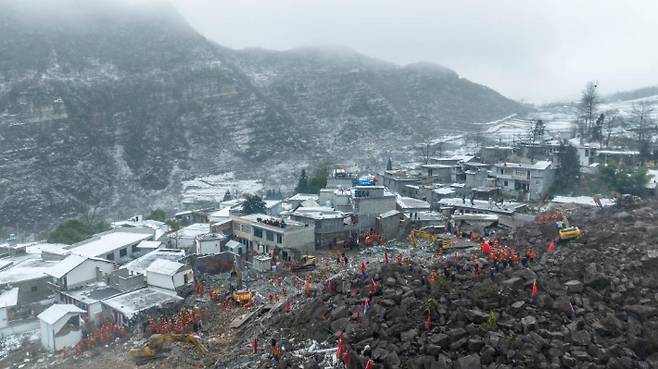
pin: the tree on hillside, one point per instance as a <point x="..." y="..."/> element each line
<point x="567" y="176"/>
<point x="597" y="129"/>
<point x="623" y="179"/>
<point x="537" y="131"/>
<point x="253" y="204"/>
<point x="74" y="230"/>
<point x="227" y="196"/>
<point x="302" y="183"/>
<point x="642" y="125"/>
<point x="587" y="109"/>
<point x="389" y="164"/>
<point x="157" y="214"/>
<point x="612" y="120"/>
<point x="319" y="179"/>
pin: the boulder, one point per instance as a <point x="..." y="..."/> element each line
<point x="528" y="323"/>
<point x="574" y="286"/>
<point x="468" y="362"/>
<point x="643" y="312"/>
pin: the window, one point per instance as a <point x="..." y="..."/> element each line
<point x="134" y="249"/>
<point x="270" y="235"/>
<point x="505" y="183"/>
<point x="185" y="278"/>
<point x="34" y="289"/>
<point x="236" y="227"/>
<point x="123" y="252"/>
<point x="109" y="256"/>
<point x="258" y="232"/>
<point x="279" y="238"/>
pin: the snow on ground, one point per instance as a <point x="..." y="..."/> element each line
<point x="213" y="187"/>
<point x="14" y="342"/>
<point x="581" y="200"/>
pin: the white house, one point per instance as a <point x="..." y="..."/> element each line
<point x="184" y="238"/>
<point x="89" y="298"/>
<point x="76" y="270"/>
<point x="124" y="307"/>
<point x="169" y="275"/>
<point x="8" y="301"/>
<point x="60" y="326"/>
<point x="118" y="245"/>
<point x="210" y="243"/>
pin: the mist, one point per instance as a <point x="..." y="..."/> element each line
<point x="537" y="51"/>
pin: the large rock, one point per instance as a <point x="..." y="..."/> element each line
<point x="574" y="286"/>
<point x="581" y="338"/>
<point x="514" y="283"/>
<point x="476" y="315"/>
<point x="391" y="361"/>
<point x="468" y="362"/>
<point x="644" y="312"/>
<point x="528" y="323"/>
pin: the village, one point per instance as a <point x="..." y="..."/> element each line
<point x="216" y="291"/>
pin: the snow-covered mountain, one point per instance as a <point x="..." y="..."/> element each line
<point x="109" y="105"/>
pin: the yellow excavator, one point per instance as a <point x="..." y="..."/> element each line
<point x="307" y="262"/>
<point x="156" y="343"/>
<point x="242" y="296"/>
<point x="434" y="239"/>
<point x="566" y="230"/>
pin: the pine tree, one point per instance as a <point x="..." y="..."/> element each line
<point x="227" y="196"/>
<point x="302" y="184"/>
<point x="253" y="204"/>
<point x="389" y="164"/>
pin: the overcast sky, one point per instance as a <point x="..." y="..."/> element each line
<point x="536" y="50"/>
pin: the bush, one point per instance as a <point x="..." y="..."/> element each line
<point x="74" y="230"/>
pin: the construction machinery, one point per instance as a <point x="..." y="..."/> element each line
<point x="415" y="234"/>
<point x="156" y="342"/>
<point x="625" y="200"/>
<point x="242" y="296"/>
<point x="566" y="230"/>
<point x="307" y="262"/>
<point x="372" y="239"/>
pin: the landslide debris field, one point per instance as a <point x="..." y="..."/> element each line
<point x="593" y="306"/>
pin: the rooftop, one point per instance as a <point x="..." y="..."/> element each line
<point x="411" y="203"/>
<point x="149" y="244"/>
<point x="32" y="267"/>
<point x="57" y="312"/>
<point x="104" y="243"/>
<point x="193" y="230"/>
<point x="539" y="165"/>
<point x="388" y="214"/>
<point x="507" y="207"/>
<point x="66" y="265"/>
<point x="164" y="266"/>
<point x="303" y="197"/>
<point x="92" y="293"/>
<point x="581" y="200"/>
<point x="462" y="158"/>
<point x="618" y="152"/>
<point x="437" y="166"/>
<point x="142" y="263"/>
<point x="444" y="191"/>
<point x="139" y="300"/>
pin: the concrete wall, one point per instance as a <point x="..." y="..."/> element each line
<point x="86" y="272"/>
<point x="4" y="317"/>
<point x="205" y="247"/>
<point x="33" y="290"/>
<point x="122" y="280"/>
<point x="160" y="280"/>
<point x="388" y="227"/>
<point x="367" y="210"/>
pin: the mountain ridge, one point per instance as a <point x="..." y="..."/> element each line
<point x="112" y="117"/>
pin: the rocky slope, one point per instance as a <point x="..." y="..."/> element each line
<point x="109" y="105"/>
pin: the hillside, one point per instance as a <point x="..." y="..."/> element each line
<point x="111" y="105"/>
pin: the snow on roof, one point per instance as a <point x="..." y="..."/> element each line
<point x="390" y="213"/>
<point x="142" y="299"/>
<point x="233" y="244"/>
<point x="102" y="244"/>
<point x="193" y="230"/>
<point x="318" y="213"/>
<point x="506" y="207"/>
<point x="539" y="165"/>
<point x="9" y="298"/>
<point x="149" y="244"/>
<point x="303" y="197"/>
<point x="444" y="191"/>
<point x="222" y="213"/>
<point x="310" y="204"/>
<point x="617" y="152"/>
<point x="57" y="312"/>
<point x="4" y="263"/>
<point x="164" y="266"/>
<point x="92" y="293"/>
<point x="53" y="248"/>
<point x="411" y="203"/>
<point x="66" y="265"/>
<point x="464" y="158"/>
<point x="27" y="269"/>
<point x="581" y="200"/>
<point x="437" y="166"/>
<point x="142" y="263"/>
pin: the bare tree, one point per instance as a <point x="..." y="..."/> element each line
<point x="587" y="108"/>
<point x="612" y="120"/>
<point x="642" y="125"/>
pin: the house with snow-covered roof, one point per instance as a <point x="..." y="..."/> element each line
<point x="169" y="275"/>
<point x="61" y="326"/>
<point x="528" y="181"/>
<point x="118" y="245"/>
<point x="75" y="270"/>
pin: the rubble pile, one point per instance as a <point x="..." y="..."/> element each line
<point x="594" y="305"/>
